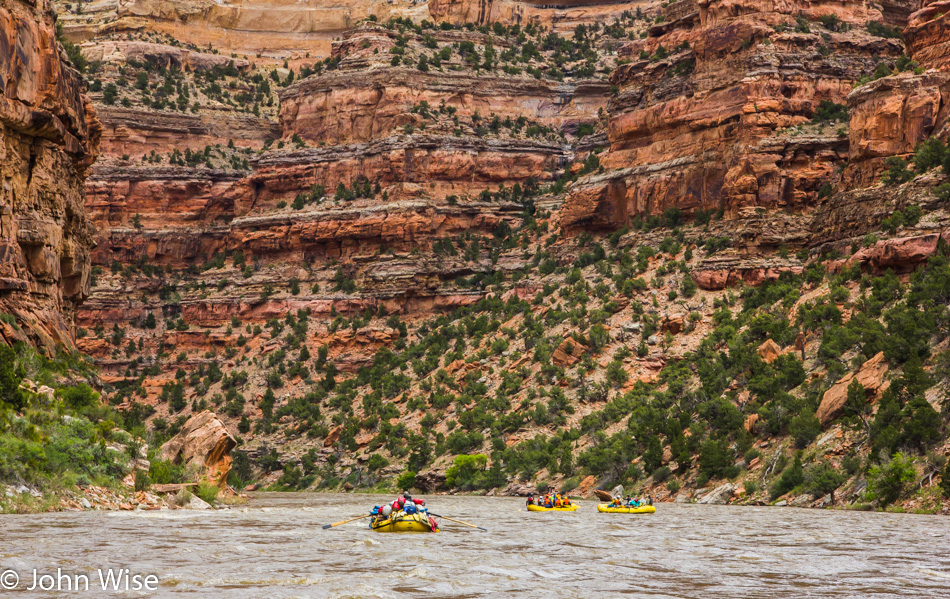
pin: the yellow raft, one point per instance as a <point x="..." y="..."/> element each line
<point x="403" y="522"/>
<point x="643" y="509"/>
<point x="538" y="508"/>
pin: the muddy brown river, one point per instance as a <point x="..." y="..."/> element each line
<point x="274" y="547"/>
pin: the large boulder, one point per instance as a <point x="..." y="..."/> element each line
<point x="750" y="423"/>
<point x="871" y="375"/>
<point x="333" y="436"/>
<point x="719" y="496"/>
<point x="569" y="352"/>
<point x="430" y="482"/>
<point x="769" y="351"/>
<point x="205" y="444"/>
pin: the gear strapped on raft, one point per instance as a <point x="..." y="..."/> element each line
<point x="404" y="514"/>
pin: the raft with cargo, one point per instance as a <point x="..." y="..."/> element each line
<point x="405" y="514"/>
<point x="538" y="508"/>
<point x="608" y="509"/>
<point x="403" y="522"/>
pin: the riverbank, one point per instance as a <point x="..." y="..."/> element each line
<point x="21" y="499"/>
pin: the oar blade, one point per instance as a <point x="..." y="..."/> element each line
<point x="326" y="526"/>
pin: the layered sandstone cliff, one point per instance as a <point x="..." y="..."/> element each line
<point x="719" y="109"/>
<point x="277" y="28"/>
<point x="891" y="115"/>
<point x="48" y="139"/>
<point x="560" y="16"/>
<point x="391" y="176"/>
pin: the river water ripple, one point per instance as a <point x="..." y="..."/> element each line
<point x="274" y="548"/>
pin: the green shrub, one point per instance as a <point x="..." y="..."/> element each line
<point x="406" y="480"/>
<point x="78" y="397"/>
<point x="161" y="472"/>
<point x="822" y="478"/>
<point x="72" y="445"/>
<point x="828" y="111"/>
<point x="921" y="424"/>
<point x="142" y="480"/>
<point x="715" y="458"/>
<point x="804" y="428"/>
<point x="791" y="477"/>
<point x="930" y="154"/>
<point x="463" y="471"/>
<point x="661" y="474"/>
<point x="11" y="373"/>
<point x="897" y="171"/>
<point x="376" y="462"/>
<point x="882" y="30"/>
<point x="207" y="492"/>
<point x="570" y="484"/>
<point x="887" y="482"/>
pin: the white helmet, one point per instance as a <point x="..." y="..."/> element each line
<point x="387" y="510"/>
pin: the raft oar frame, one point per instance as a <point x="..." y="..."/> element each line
<point x="326" y="526"/>
<point x="458" y="521"/>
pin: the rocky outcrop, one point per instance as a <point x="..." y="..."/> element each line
<point x="901" y="255"/>
<point x="569" y="352"/>
<point x="871" y="375"/>
<point x="134" y="132"/>
<point x="715" y="111"/>
<point x="926" y="35"/>
<point x="892" y="115"/>
<point x="897" y="12"/>
<point x="726" y="270"/>
<point x="718" y="496"/>
<point x="160" y="55"/>
<point x="769" y="351"/>
<point x="204" y="444"/>
<point x="48" y="138"/>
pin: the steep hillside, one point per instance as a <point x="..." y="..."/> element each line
<point x="638" y="243"/>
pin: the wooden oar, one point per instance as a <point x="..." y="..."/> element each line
<point x="458" y="521"/>
<point x="326" y="526"/>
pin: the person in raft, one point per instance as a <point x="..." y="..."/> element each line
<point x="630" y="502"/>
<point x="549" y="500"/>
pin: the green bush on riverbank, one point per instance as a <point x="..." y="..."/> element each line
<point x="59" y="436"/>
